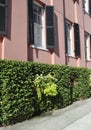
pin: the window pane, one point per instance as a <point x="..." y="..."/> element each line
<point x="69" y="46"/>
<point x="69" y="38"/>
<point x="68" y="31"/>
<point x="35" y="35"/>
<point x="38" y="27"/>
<point x="38" y="35"/>
<point x="35" y="18"/>
<point x="40" y="11"/>
<point x="35" y="8"/>
<point x="86" y="46"/>
<point x="2" y="18"/>
<point x="37" y="14"/>
<point x="39" y="20"/>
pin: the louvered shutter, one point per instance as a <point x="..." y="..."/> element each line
<point x="66" y="47"/>
<point x="3" y="17"/>
<point x="77" y="40"/>
<point x="90" y="45"/>
<point x="50" y="27"/>
<point x="90" y="7"/>
<point x="30" y="22"/>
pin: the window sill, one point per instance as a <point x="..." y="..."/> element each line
<point x="88" y="60"/>
<point x="40" y="48"/>
<point x="70" y="56"/>
<point x="86" y="13"/>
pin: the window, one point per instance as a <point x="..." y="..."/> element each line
<point x="69" y="39"/>
<point x="41" y="25"/>
<point x="38" y="25"/>
<point x="87" y="46"/>
<point x="87" y="6"/>
<point x="3" y="16"/>
<point x="72" y="39"/>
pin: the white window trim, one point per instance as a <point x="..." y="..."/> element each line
<point x="86" y="6"/>
<point x="72" y="40"/>
<point x="87" y="46"/>
<point x="43" y="45"/>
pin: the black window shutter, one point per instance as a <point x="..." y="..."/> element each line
<point x="50" y="27"/>
<point x="66" y="47"/>
<point x="3" y="17"/>
<point x="77" y="40"/>
<point x="90" y="45"/>
<point x="90" y="7"/>
<point x="30" y="22"/>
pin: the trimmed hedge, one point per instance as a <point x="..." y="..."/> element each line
<point x="18" y="96"/>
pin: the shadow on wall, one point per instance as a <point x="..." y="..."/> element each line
<point x="1" y="40"/>
<point x="31" y="52"/>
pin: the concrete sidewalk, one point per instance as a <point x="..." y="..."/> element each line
<point x="74" y="117"/>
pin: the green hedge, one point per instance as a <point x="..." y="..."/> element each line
<point x="18" y="96"/>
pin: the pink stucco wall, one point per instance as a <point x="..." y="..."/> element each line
<point x="58" y="56"/>
<point x="39" y="55"/>
<point x="15" y="45"/>
<point x="87" y="23"/>
<point x="69" y="10"/>
<point x="84" y="21"/>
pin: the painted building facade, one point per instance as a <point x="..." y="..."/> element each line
<point x="46" y="31"/>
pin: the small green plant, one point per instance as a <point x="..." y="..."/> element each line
<point x="45" y="85"/>
<point x="46" y="89"/>
<point x="90" y="80"/>
<point x="51" y="89"/>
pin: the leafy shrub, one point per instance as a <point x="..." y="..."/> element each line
<point x="22" y="97"/>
